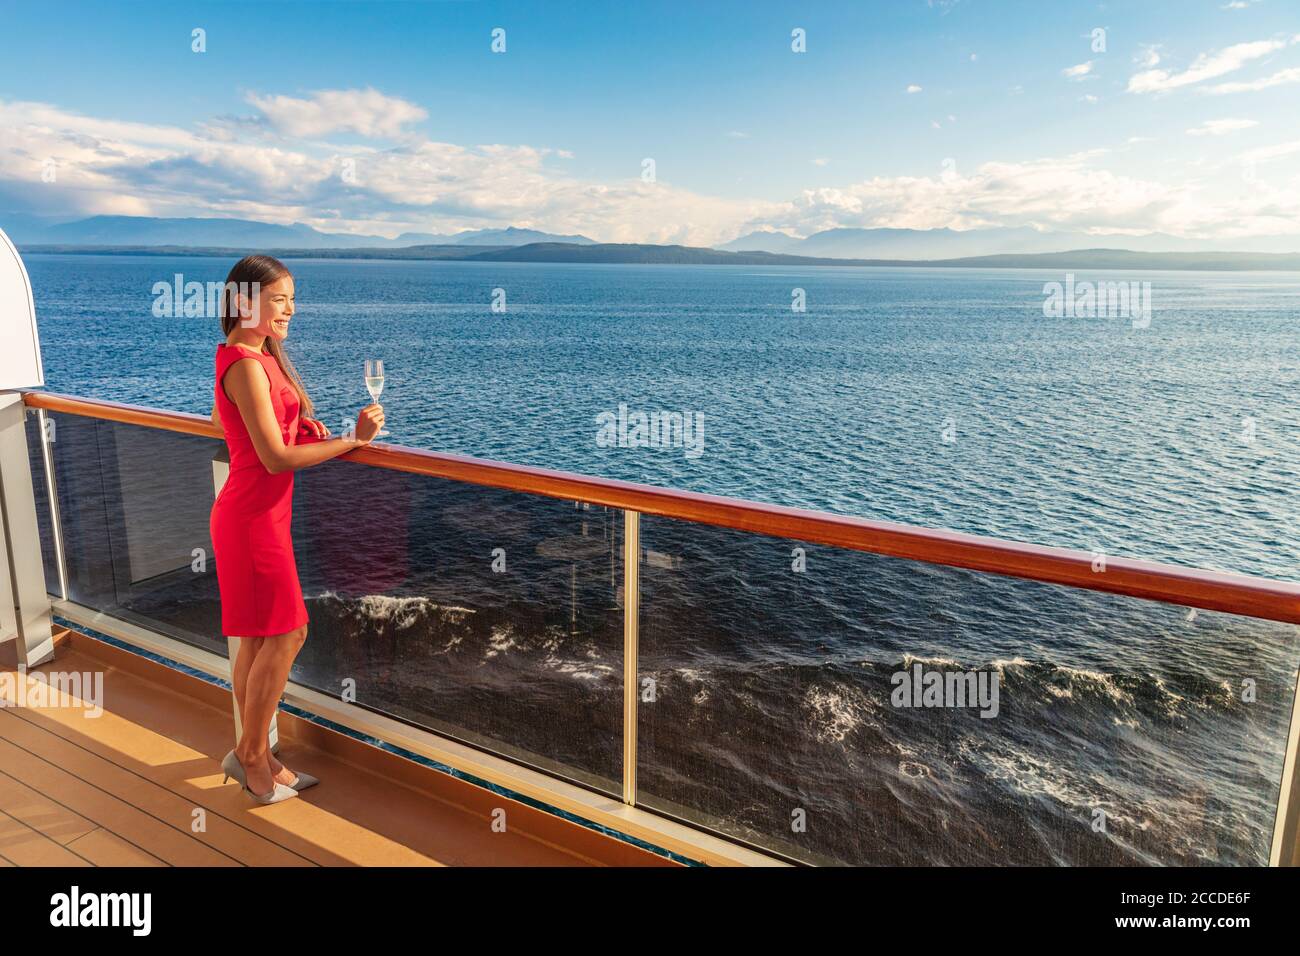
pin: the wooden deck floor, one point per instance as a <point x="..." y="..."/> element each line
<point x="140" y="785"/>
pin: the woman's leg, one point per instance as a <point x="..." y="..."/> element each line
<point x="267" y="675"/>
<point x="247" y="653"/>
<point x="248" y="648"/>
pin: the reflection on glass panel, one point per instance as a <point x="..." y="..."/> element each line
<point x="82" y="508"/>
<point x="134" y="504"/>
<point x="40" y="491"/>
<point x="838" y="706"/>
<point x="491" y="616"/>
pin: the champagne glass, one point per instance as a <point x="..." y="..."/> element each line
<point x="375" y="385"/>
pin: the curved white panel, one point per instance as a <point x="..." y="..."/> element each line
<point x="20" y="350"/>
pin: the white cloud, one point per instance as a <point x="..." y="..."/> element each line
<point x="1067" y="193"/>
<point x="1291" y="75"/>
<point x="820" y="161"/>
<point x="1088" y="98"/>
<point x="913" y="88"/>
<point x="1266" y="153"/>
<point x="1078" y="71"/>
<point x="1149" y="57"/>
<point x="110" y="167"/>
<point x="1207" y="66"/>
<point x="365" y="112"/>
<point x="106" y="166"/>
<point x="1047" y="192"/>
<point x="1221" y="127"/>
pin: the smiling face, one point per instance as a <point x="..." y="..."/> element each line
<point x="275" y="308"/>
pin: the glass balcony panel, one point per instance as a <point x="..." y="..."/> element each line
<point x="489" y="616"/>
<point x="134" y="504"/>
<point x="1125" y="731"/>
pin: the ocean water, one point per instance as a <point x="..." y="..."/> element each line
<point x="942" y="398"/>
<point x="1082" y="433"/>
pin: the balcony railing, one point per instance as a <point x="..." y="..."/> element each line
<point x="707" y="673"/>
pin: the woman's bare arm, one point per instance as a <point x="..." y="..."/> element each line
<point x="216" y="416"/>
<point x="247" y="385"/>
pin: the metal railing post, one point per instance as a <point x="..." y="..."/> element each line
<point x="1286" y="824"/>
<point x="24" y="601"/>
<point x="221" y="471"/>
<point x="47" y="430"/>
<point x="631" y="612"/>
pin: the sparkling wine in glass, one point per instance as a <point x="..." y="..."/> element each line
<point x="375" y="385"/>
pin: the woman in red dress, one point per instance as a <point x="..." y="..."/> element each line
<point x="263" y="409"/>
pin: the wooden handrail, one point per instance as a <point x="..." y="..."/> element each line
<point x="1211" y="590"/>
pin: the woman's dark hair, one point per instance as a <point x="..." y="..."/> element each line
<point x="251" y="273"/>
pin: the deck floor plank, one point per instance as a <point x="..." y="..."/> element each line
<point x="40" y="812"/>
<point x="104" y="848"/>
<point x="27" y="847"/>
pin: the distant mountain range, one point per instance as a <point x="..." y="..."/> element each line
<point x="1070" y="259"/>
<point x="243" y="233"/>
<point x="892" y="244"/>
<point x="611" y="253"/>
<point x="951" y="243"/>
<point x="1007" y="248"/>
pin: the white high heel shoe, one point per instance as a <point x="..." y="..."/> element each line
<point x="233" y="768"/>
<point x="302" y="781"/>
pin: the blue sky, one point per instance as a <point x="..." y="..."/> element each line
<point x="1184" y="122"/>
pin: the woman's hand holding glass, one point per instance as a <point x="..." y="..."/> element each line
<point x="370" y="420"/>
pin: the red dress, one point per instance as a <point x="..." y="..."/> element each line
<point x="250" y="524"/>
